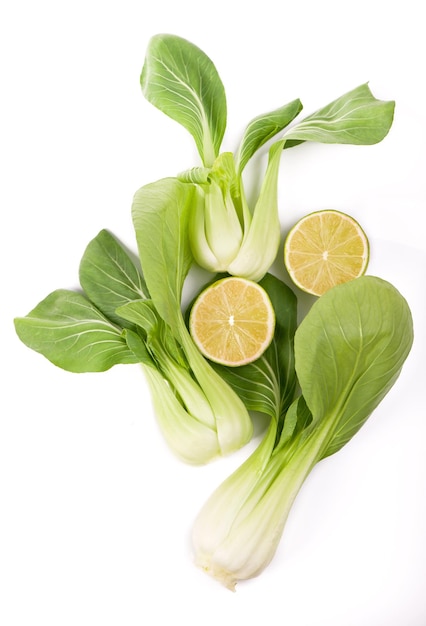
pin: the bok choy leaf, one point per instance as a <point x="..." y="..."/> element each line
<point x="181" y="81"/>
<point x="73" y="334"/>
<point x="109" y="277"/>
<point x="263" y="128"/>
<point x="357" y="118"/>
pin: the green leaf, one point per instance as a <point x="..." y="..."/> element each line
<point x="138" y="347"/>
<point x="181" y="81"/>
<point x="349" y="350"/>
<point x="73" y="334"/>
<point x="158" y="336"/>
<point x="268" y="384"/>
<point x="357" y="117"/>
<point x="297" y="419"/>
<point x="141" y="313"/>
<point x="109" y="277"/>
<point x="160" y="212"/>
<point x="263" y="128"/>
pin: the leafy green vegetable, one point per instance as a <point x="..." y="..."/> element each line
<point x="226" y="234"/>
<point x="170" y="361"/>
<point x="109" y="277"/>
<point x="190" y="439"/>
<point x="366" y="335"/>
<point x="114" y="322"/>
<point x="318" y="383"/>
<point x="73" y="334"/>
<point x="357" y="117"/>
<point x="160" y="213"/>
<point x="215" y="226"/>
<point x="263" y="128"/>
<point x="263" y="235"/>
<point x="349" y="351"/>
<point x="180" y="80"/>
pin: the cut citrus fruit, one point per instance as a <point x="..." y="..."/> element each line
<point x="324" y="249"/>
<point x="232" y="321"/>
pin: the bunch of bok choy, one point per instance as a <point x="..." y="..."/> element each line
<point x="317" y="382"/>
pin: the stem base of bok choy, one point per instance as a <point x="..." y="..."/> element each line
<point x="234" y="427"/>
<point x="237" y="532"/>
<point x="191" y="440"/>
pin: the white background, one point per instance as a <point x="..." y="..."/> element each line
<point x="95" y="513"/>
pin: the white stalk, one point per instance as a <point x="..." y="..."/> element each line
<point x="222" y="226"/>
<point x="262" y="239"/>
<point x="190" y="439"/>
<point x="233" y="424"/>
<point x="237" y="532"/>
<point x="200" y="247"/>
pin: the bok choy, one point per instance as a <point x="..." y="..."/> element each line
<point x="160" y="213"/>
<point x="317" y="382"/>
<point x="349" y="351"/>
<point x="226" y="234"/>
<point x="115" y="321"/>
